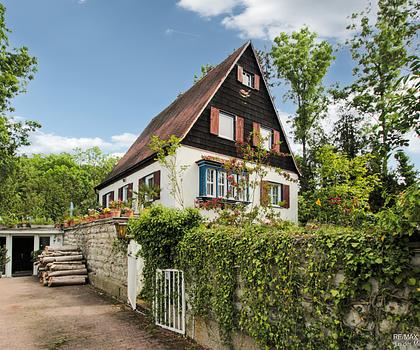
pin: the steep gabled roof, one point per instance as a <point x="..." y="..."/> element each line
<point x="178" y="118"/>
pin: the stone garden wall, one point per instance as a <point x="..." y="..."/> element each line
<point x="106" y="261"/>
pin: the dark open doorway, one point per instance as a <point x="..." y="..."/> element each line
<point x="21" y="256"/>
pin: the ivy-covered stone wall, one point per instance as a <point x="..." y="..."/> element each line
<point x="290" y="288"/>
<point x="106" y="261"/>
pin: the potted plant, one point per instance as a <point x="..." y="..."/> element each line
<point x="127" y="212"/>
<point x="107" y="213"/>
<point x="115" y="207"/>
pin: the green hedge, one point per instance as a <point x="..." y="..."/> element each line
<point x="285" y="281"/>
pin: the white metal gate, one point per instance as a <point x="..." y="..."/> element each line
<point x="169" y="303"/>
<point x="132" y="276"/>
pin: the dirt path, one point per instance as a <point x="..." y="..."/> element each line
<point x="77" y="317"/>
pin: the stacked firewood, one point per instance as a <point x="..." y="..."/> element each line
<point x="61" y="266"/>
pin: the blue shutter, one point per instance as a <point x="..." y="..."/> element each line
<point x="202" y="184"/>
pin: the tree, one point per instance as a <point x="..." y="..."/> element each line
<point x="302" y="62"/>
<point x="384" y="72"/>
<point x="407" y="173"/>
<point x="17" y="67"/>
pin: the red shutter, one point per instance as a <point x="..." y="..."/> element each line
<point x="214" y="121"/>
<point x="120" y="193"/>
<point x="240" y="75"/>
<point x="256" y="82"/>
<point x="256" y="133"/>
<point x="276" y="142"/>
<point x="264" y="186"/>
<point x="141" y="182"/>
<point x="156" y="182"/>
<point x="286" y="195"/>
<point x="239" y="129"/>
<point x="130" y="191"/>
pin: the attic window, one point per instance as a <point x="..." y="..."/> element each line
<point x="266" y="138"/>
<point x="248" y="79"/>
<point x="226" y="126"/>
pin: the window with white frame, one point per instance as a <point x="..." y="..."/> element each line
<point x="211" y="182"/>
<point x="221" y="183"/>
<point x="226" y="126"/>
<point x="108" y="198"/>
<point x="275" y="194"/>
<point x="266" y="138"/>
<point x="248" y="79"/>
<point x="149" y="181"/>
<point x="124" y="194"/>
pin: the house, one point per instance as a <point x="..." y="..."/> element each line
<point x="226" y="106"/>
<point x="21" y="242"/>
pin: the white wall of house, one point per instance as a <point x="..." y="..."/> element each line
<point x="188" y="156"/>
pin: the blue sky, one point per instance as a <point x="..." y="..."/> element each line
<point x="107" y="67"/>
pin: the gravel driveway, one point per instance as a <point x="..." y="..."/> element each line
<point x="76" y="317"/>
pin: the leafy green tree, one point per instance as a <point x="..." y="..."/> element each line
<point x="341" y="188"/>
<point x="302" y="61"/>
<point x="384" y="72"/>
<point x="17" y="67"/>
<point x="407" y="172"/>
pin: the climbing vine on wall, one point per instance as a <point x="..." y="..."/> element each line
<point x="290" y="288"/>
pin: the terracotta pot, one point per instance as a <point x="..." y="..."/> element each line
<point x="101" y="216"/>
<point x="128" y="214"/>
<point x="115" y="213"/>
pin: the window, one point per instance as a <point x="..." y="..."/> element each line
<point x="275" y="194"/>
<point x="266" y="138"/>
<point x="149" y="182"/>
<point x="248" y="79"/>
<point x="226" y="126"/>
<point x="124" y="194"/>
<point x="216" y="182"/>
<point x="211" y="182"/>
<point x="43" y="242"/>
<point x="107" y="199"/>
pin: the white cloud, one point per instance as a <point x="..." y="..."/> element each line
<point x="42" y="142"/>
<point x="414" y="143"/>
<point x="264" y="19"/>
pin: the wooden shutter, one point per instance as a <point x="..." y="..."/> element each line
<point x="104" y="201"/>
<point x="141" y="182"/>
<point x="239" y="129"/>
<point x="130" y="191"/>
<point x="111" y="196"/>
<point x="256" y="133"/>
<point x="264" y="197"/>
<point x="156" y="182"/>
<point x="276" y="141"/>
<point x="214" y="121"/>
<point x="256" y="82"/>
<point x="240" y="75"/>
<point x="120" y="193"/>
<point x="286" y="195"/>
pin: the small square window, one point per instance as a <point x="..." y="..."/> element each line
<point x="248" y="79"/>
<point x="266" y="138"/>
<point x="226" y="126"/>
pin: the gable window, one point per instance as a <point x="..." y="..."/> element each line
<point x="266" y="138"/>
<point x="215" y="182"/>
<point x="226" y="126"/>
<point x="248" y="79"/>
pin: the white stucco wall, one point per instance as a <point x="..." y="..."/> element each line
<point x="189" y="156"/>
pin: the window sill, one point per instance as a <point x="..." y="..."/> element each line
<point x="226" y="138"/>
<point x="223" y="200"/>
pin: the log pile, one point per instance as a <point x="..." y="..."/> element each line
<point x="61" y="266"/>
